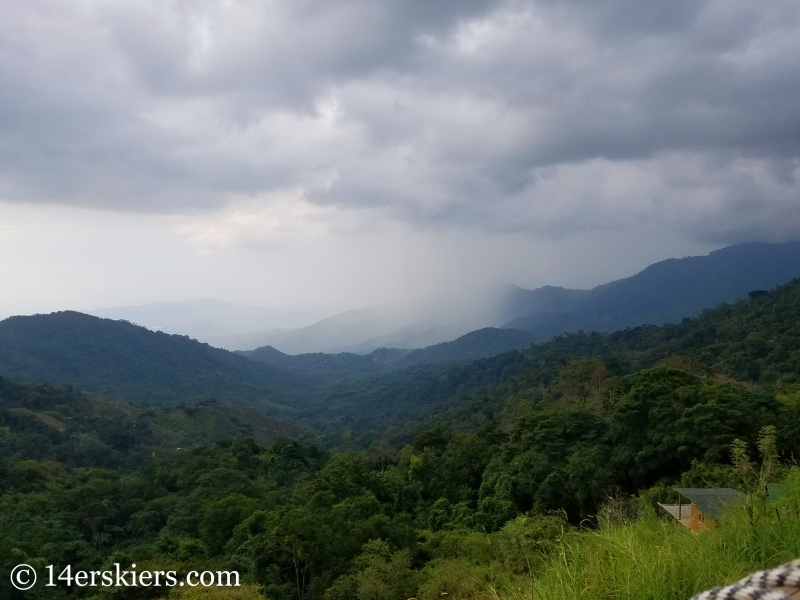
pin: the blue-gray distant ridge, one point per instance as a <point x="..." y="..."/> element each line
<point x="664" y="292"/>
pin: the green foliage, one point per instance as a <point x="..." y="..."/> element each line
<point x="583" y="381"/>
<point x="43" y="422"/>
<point x="131" y="363"/>
<point x="519" y="483"/>
<point x="653" y="558"/>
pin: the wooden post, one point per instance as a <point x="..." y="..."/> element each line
<point x="679" y="506"/>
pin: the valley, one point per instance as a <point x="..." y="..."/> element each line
<point x="433" y="471"/>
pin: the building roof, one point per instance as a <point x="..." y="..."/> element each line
<point x="682" y="514"/>
<point x="711" y="501"/>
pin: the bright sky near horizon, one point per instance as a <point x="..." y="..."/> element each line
<point x="367" y="151"/>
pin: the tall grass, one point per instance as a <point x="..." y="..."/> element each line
<point x="653" y="558"/>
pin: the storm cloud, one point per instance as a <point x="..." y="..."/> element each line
<point x="367" y="152"/>
<point x="541" y="117"/>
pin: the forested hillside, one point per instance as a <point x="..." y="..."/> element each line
<point x="756" y="340"/>
<point x="43" y="422"/>
<point x="451" y="513"/>
<point x="132" y="363"/>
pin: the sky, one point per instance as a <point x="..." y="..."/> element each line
<point x="366" y="152"/>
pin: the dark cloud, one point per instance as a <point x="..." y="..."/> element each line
<point x="541" y="117"/>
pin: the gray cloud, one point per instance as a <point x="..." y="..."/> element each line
<point x="546" y="118"/>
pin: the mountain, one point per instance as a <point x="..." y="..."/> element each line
<point x="664" y="292"/>
<point x="293" y="329"/>
<point x="755" y="340"/>
<point x="216" y="322"/>
<point x="342" y="364"/>
<point x="132" y="363"/>
<point x="469" y="347"/>
<point x="364" y="330"/>
<point x="334" y="334"/>
<point x="472" y="346"/>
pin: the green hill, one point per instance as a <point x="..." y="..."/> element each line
<point x="331" y="366"/>
<point x="131" y="363"/>
<point x="472" y="346"/>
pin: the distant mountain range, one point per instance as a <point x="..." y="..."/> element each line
<point x="472" y="346"/>
<point x="134" y="364"/>
<point x="667" y="291"/>
<point x="219" y="323"/>
<point x="362" y="331"/>
<point x="294" y="329"/>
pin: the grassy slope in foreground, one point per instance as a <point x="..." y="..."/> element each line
<point x="625" y="558"/>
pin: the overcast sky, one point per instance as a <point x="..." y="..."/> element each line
<point x="269" y="151"/>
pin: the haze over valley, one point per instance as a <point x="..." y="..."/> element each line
<point x="399" y="299"/>
<point x="664" y="292"/>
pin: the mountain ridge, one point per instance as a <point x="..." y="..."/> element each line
<point x="474" y="345"/>
<point x="130" y="362"/>
<point x="666" y="291"/>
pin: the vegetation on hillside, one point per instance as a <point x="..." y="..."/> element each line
<point x="534" y="473"/>
<point x="299" y="524"/>
<point x="42" y="422"/>
<point x="754" y="341"/>
<point x="134" y="364"/>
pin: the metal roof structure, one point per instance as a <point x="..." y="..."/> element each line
<point x="711" y="501"/>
